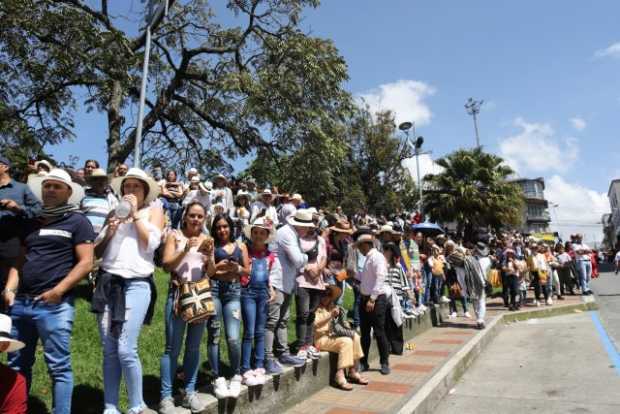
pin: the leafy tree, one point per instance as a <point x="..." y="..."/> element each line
<point x="218" y="91"/>
<point x="473" y="191"/>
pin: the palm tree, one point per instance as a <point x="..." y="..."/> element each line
<point x="473" y="191"/>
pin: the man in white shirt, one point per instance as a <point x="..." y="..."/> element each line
<point x="374" y="303"/>
<point x="289" y="208"/>
<point x="265" y="204"/>
<point x="584" y="264"/>
<point x="222" y="194"/>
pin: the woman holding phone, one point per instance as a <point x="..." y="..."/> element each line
<point x="231" y="262"/>
<point x="188" y="256"/>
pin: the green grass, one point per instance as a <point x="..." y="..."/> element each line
<point x="87" y="356"/>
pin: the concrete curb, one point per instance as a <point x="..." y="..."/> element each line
<point x="425" y="398"/>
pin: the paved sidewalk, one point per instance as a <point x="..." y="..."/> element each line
<point x="552" y="365"/>
<point x="410" y="371"/>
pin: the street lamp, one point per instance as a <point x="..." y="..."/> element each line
<point x="473" y="108"/>
<point x="405" y="127"/>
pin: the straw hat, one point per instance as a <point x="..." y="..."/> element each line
<point x="263" y="223"/>
<point x="386" y="228"/>
<point x="365" y="238"/>
<point x="243" y="193"/>
<point x="302" y="218"/>
<point x="296" y="197"/>
<point x="266" y="192"/>
<point x="342" y="226"/>
<point x="138" y="174"/>
<point x="45" y="163"/>
<point x="35" y="183"/>
<point x="97" y="173"/>
<point x="5" y="334"/>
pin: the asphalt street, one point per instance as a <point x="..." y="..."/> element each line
<point x="565" y="364"/>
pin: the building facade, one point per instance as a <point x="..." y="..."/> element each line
<point x="536" y="216"/>
<point x="611" y="224"/>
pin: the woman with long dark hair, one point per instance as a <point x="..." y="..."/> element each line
<point x="188" y="256"/>
<point x="231" y="262"/>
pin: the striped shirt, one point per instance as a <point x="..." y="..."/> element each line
<point x="397" y="279"/>
<point x="97" y="207"/>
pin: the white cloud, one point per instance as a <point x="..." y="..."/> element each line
<point x="612" y="51"/>
<point x="406" y="98"/>
<point x="427" y="166"/>
<point x="579" y="209"/>
<point x="579" y="123"/>
<point x="535" y="149"/>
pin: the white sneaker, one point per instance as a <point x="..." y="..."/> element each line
<point x="444" y="299"/>
<point x="235" y="387"/>
<point x="452" y="315"/>
<point x="302" y="353"/>
<point x="221" y="388"/>
<point x="249" y="378"/>
<point x="467" y="315"/>
<point x="420" y="310"/>
<point x="166" y="406"/>
<point x="423" y="308"/>
<point x="536" y="303"/>
<point x="549" y="301"/>
<point x="194" y="403"/>
<point x="313" y="353"/>
<point x="259" y="374"/>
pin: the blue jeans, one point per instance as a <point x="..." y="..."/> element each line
<point x="585" y="274"/>
<point x="54" y="325"/>
<point x="120" y="355"/>
<point x="175" y="332"/>
<point x="227" y="300"/>
<point x="428" y="280"/>
<point x="175" y="212"/>
<point x="254" y="311"/>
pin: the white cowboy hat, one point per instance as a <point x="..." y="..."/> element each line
<point x="386" y="228"/>
<point x="5" y="334"/>
<point x="296" y="197"/>
<point x="36" y="182"/>
<point x="365" y="238"/>
<point x="192" y="171"/>
<point x="302" y="218"/>
<point x="220" y="176"/>
<point x="43" y="162"/>
<point x="138" y="174"/>
<point x="263" y="223"/>
<point x="97" y="173"/>
<point x="266" y="192"/>
<point x="243" y="193"/>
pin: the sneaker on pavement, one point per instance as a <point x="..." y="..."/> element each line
<point x="303" y="353"/>
<point x="259" y="374"/>
<point x="235" y="387"/>
<point x="272" y="367"/>
<point x="147" y="410"/>
<point x="249" y="378"/>
<point x="313" y="353"/>
<point x="467" y="315"/>
<point x="536" y="303"/>
<point x="221" y="388"/>
<point x="288" y="359"/>
<point x="452" y="315"/>
<point x="549" y="301"/>
<point x="444" y="300"/>
<point x="166" y="406"/>
<point x="194" y="402"/>
<point x="423" y="308"/>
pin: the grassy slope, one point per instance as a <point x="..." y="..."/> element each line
<point x="86" y="352"/>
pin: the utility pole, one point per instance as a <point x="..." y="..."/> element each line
<point x="473" y="108"/>
<point x="154" y="9"/>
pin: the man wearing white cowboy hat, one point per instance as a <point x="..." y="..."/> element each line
<point x="99" y="199"/>
<point x="13" y="390"/>
<point x="16" y="204"/>
<point x="57" y="253"/>
<point x="293" y="261"/>
<point x="264" y="207"/>
<point x="288" y="209"/>
<point x="374" y="303"/>
<point x="197" y="191"/>
<point x="222" y="193"/>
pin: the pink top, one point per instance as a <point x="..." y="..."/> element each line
<point x="190" y="268"/>
<point x="307" y="245"/>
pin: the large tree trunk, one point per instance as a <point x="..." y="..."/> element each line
<point x="115" y="121"/>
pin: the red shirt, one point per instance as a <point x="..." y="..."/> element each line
<point x="13" y="396"/>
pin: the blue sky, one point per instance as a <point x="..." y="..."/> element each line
<point x="551" y="91"/>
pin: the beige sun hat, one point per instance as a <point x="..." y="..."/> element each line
<point x="5" y="334"/>
<point x="302" y="218"/>
<point x="138" y="174"/>
<point x="35" y="184"/>
<point x="263" y="223"/>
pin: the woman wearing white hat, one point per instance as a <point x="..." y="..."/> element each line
<point x="241" y="212"/>
<point x="13" y="394"/>
<point x="127" y="245"/>
<point x="57" y="255"/>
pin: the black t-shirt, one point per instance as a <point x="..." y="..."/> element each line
<point x="50" y="251"/>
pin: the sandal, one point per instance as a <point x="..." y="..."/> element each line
<point x="343" y="384"/>
<point x="357" y="379"/>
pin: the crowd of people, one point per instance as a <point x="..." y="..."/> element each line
<point x="238" y="258"/>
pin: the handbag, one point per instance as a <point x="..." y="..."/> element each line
<point x="339" y="327"/>
<point x="494" y="278"/>
<point x="455" y="290"/>
<point x="194" y="301"/>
